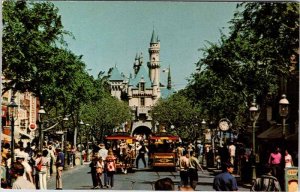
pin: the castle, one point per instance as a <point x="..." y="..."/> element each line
<point x="143" y="88"/>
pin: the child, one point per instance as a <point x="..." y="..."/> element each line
<point x="99" y="170"/>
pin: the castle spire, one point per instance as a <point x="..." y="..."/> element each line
<point x="153" y="37"/>
<point x="169" y="86"/>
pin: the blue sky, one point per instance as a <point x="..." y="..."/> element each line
<point x="109" y="33"/>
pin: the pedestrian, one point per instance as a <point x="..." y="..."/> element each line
<point x="44" y="161"/>
<point x="164" y="184"/>
<point x="103" y="153"/>
<point x="274" y="162"/>
<point x="60" y="160"/>
<point x="110" y="168"/>
<point x="232" y="150"/>
<point x="225" y="181"/>
<point x="17" y="172"/>
<point x="142" y="149"/>
<point x="266" y="182"/>
<point x="194" y="166"/>
<point x="184" y="164"/>
<point x="288" y="159"/>
<point x="93" y="165"/>
<point x="99" y="171"/>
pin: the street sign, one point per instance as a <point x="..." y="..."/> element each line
<point x="291" y="179"/>
<point x="32" y="126"/>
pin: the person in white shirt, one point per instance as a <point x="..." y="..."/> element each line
<point x="17" y="172"/>
<point x="232" y="150"/>
<point x="288" y="159"/>
<point x="103" y="152"/>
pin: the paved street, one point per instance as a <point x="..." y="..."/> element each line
<point x="78" y="178"/>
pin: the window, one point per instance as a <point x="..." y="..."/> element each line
<point x="142" y="101"/>
<point x="142" y="86"/>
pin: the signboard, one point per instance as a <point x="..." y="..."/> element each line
<point x="32" y="115"/>
<point x="291" y="179"/>
<point x="32" y="126"/>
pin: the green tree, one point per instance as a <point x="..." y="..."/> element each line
<point x="106" y="114"/>
<point x="31" y="34"/>
<point x="178" y="111"/>
<point x="249" y="62"/>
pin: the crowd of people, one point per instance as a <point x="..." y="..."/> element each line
<point x="36" y="166"/>
<point x="32" y="165"/>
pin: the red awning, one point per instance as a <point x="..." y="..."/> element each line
<point x="164" y="138"/>
<point x="118" y="137"/>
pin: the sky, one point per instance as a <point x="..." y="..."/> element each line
<point x="112" y="33"/>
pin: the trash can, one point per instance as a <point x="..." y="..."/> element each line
<point x="291" y="179"/>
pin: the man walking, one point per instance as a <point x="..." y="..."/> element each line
<point x="193" y="170"/>
<point x="184" y="164"/>
<point x="225" y="181"/>
<point x="59" y="168"/>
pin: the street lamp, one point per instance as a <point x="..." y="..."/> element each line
<point x="87" y="143"/>
<point x="80" y="149"/>
<point x="203" y="126"/>
<point x="65" y="119"/>
<point x="283" y="111"/>
<point x="13" y="111"/>
<point x="254" y="114"/>
<point x="41" y="112"/>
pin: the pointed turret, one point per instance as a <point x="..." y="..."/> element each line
<point x="169" y="86"/>
<point x="154" y="37"/>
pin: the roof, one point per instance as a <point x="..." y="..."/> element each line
<point x="274" y="132"/>
<point x="142" y="74"/>
<point x="116" y="75"/>
<point x="154" y="37"/>
<point x="163" y="135"/>
<point x="165" y="93"/>
<point x="119" y="135"/>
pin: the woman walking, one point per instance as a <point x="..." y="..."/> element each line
<point x="99" y="171"/>
<point x="111" y="168"/>
<point x="42" y="164"/>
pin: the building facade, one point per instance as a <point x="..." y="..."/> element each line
<point x="25" y="124"/>
<point x="143" y="88"/>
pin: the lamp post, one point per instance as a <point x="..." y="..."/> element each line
<point x="65" y="119"/>
<point x="41" y="112"/>
<point x="87" y="143"/>
<point x="283" y="111"/>
<point x="254" y="114"/>
<point x="80" y="149"/>
<point x="203" y="126"/>
<point x="212" y="129"/>
<point x="12" y="106"/>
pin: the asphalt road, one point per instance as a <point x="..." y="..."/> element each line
<point x="78" y="178"/>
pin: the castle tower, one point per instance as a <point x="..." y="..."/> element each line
<point x="169" y="86"/>
<point x="154" y="62"/>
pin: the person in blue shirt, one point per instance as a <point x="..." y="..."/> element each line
<point x="225" y="181"/>
<point x="60" y="160"/>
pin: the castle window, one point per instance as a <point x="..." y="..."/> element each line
<point x="142" y="101"/>
<point x="142" y="86"/>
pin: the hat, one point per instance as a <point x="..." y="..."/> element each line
<point x="101" y="145"/>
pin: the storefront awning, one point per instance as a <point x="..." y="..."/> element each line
<point x="25" y="135"/>
<point x="274" y="132"/>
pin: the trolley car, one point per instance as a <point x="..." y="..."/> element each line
<point x="162" y="150"/>
<point x="115" y="141"/>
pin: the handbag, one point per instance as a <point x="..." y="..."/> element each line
<point x="39" y="166"/>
